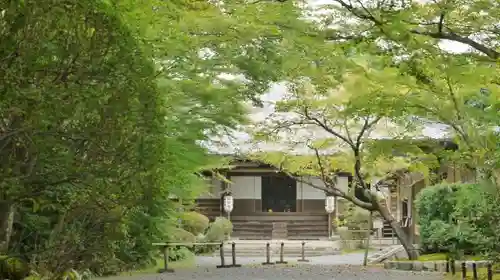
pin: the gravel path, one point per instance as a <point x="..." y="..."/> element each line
<point x="352" y="259"/>
<point x="302" y="272"/>
<point x="335" y="267"/>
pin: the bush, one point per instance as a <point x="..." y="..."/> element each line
<point x="179" y="253"/>
<point x="457" y="218"/>
<point x="194" y="222"/>
<point x="219" y="230"/>
<point x="181" y="235"/>
<point x="13" y="268"/>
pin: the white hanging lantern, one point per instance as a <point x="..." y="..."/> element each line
<point x="330" y="204"/>
<point x="228" y="203"/>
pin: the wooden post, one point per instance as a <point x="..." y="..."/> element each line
<point x="452" y="266"/>
<point x="233" y="253"/>
<point x="474" y="271"/>
<point x="282" y="257"/>
<point x="464" y="270"/>
<point x="222" y="259"/>
<point x="165" y="258"/>
<point x="165" y="261"/>
<point x="303" y="253"/>
<point x="268" y="255"/>
<point x="490" y="272"/>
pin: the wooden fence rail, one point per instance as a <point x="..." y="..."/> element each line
<point x="166" y="245"/>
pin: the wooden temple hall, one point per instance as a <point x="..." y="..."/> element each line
<point x="270" y="205"/>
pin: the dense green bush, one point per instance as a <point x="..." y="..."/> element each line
<point x="13" y="268"/>
<point x="457" y="218"/>
<point x="194" y="222"/>
<point x="180" y="235"/>
<point x="179" y="253"/>
<point x="219" y="230"/>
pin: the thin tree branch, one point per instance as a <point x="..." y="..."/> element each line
<point x="327" y="128"/>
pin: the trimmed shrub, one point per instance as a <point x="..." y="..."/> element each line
<point x="194" y="222"/>
<point x="219" y="230"/>
<point x="456" y="218"/>
<point x="181" y="235"/>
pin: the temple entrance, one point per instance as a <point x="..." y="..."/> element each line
<point x="279" y="193"/>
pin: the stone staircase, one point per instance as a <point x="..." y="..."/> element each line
<point x="387" y="230"/>
<point x="280" y="230"/>
<point x="306" y="229"/>
<point x="292" y="249"/>
<point x="252" y="230"/>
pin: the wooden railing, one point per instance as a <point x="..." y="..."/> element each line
<point x="166" y="245"/>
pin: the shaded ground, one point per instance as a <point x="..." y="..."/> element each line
<point x="302" y="272"/>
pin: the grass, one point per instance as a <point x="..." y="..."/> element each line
<point x="481" y="274"/>
<point x="442" y="257"/>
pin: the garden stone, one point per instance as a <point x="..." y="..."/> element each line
<point x="405" y="265"/>
<point x="418" y="266"/>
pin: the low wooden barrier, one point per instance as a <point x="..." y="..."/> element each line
<point x="451" y="267"/>
<point x="166" y="245"/>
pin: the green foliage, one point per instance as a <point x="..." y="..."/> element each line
<point x="180" y="253"/>
<point x="13" y="268"/>
<point x="180" y="235"/>
<point x="103" y="106"/>
<point x="219" y="230"/>
<point x="458" y="218"/>
<point x="194" y="222"/>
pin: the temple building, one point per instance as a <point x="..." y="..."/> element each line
<point x="271" y="205"/>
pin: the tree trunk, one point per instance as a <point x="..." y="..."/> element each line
<point x="6" y="223"/>
<point x="398" y="230"/>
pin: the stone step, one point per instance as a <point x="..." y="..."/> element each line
<point x="290" y="252"/>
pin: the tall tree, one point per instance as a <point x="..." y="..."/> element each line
<point x="450" y="50"/>
<point x="103" y="105"/>
<point x="322" y="131"/>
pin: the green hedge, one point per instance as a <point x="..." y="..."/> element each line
<point x="219" y="230"/>
<point x="457" y="218"/>
<point x="194" y="222"/>
<point x="181" y="235"/>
